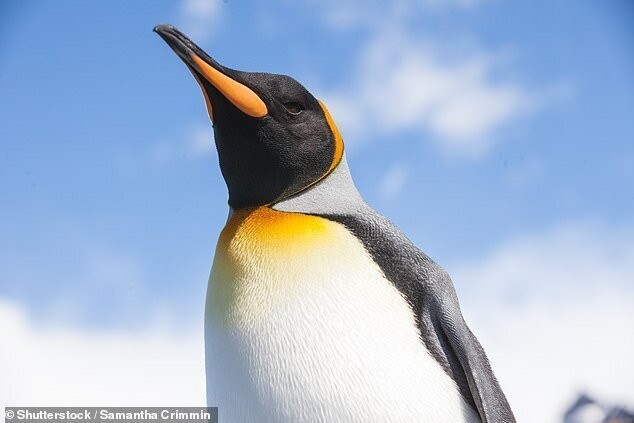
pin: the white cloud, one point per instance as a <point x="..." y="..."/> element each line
<point x="405" y="85"/>
<point x="200" y="17"/>
<point x="62" y="366"/>
<point x="393" y="181"/>
<point x="402" y="82"/>
<point x="554" y="313"/>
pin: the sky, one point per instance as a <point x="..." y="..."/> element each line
<point x="498" y="135"/>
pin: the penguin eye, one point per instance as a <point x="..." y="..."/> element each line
<point x="293" y="107"/>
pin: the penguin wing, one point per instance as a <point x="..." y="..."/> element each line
<point x="484" y="388"/>
<point x="430" y="293"/>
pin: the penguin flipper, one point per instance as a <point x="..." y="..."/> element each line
<point x="430" y="292"/>
<point x="485" y="390"/>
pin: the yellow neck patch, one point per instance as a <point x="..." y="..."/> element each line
<point x="262" y="253"/>
<point x="270" y="231"/>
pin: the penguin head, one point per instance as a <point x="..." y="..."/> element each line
<point x="274" y="138"/>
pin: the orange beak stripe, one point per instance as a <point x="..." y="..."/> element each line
<point x="239" y="95"/>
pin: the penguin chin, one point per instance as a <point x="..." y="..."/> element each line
<point x="260" y="165"/>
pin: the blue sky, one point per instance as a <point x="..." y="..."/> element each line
<point x="498" y="135"/>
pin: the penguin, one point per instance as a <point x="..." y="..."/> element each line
<point x="318" y="308"/>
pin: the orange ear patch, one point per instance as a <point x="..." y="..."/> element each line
<point x="338" y="140"/>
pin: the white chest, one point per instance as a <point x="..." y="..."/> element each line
<point x="303" y="327"/>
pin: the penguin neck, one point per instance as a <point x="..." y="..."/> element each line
<point x="335" y="194"/>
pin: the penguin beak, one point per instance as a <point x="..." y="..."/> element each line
<point x="206" y="70"/>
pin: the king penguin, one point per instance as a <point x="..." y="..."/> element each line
<point x="318" y="308"/>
